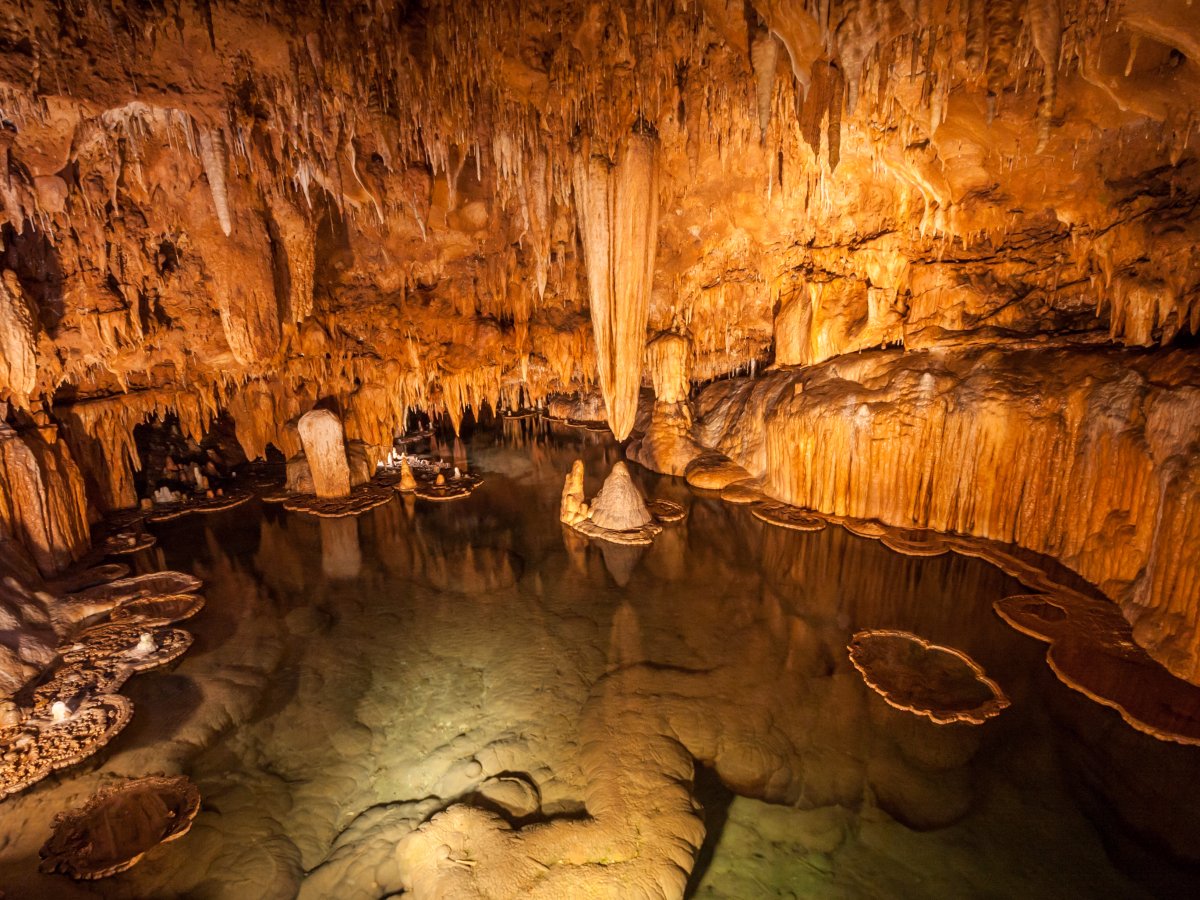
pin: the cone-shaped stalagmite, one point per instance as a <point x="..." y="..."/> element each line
<point x="617" y="207"/>
<point x="619" y="505"/>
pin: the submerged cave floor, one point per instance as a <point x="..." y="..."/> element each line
<point x="350" y="677"/>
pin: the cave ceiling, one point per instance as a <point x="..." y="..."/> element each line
<point x="251" y="206"/>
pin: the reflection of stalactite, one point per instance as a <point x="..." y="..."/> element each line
<point x="618" y="222"/>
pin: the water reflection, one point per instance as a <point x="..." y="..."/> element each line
<point x="351" y="677"/>
<point x="341" y="555"/>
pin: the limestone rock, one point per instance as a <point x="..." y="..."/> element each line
<point x="42" y="503"/>
<point x="18" y="349"/>
<point x="325" y="450"/>
<point x="714" y="471"/>
<point x="620" y="506"/>
<point x="573" y="509"/>
<point x="358" y="459"/>
<point x="299" y="476"/>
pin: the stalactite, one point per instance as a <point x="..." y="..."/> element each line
<point x="618" y="222"/>
<point x="1003" y="27"/>
<point x="764" y="57"/>
<point x="215" y="155"/>
<point x="296" y="236"/>
<point x="1045" y="24"/>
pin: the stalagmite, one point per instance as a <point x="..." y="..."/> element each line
<point x="325" y="450"/>
<point x="618" y="224"/>
<point x="573" y="509"/>
<point x="667" y="444"/>
<point x="619" y="506"/>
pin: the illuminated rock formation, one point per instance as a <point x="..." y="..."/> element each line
<point x="574" y="508"/>
<point x="42" y="504"/>
<point x="18" y="350"/>
<point x="617" y="205"/>
<point x="667" y="444"/>
<point x="619" y="506"/>
<point x="325" y="452"/>
<point x="933" y="266"/>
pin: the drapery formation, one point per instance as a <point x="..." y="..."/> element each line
<point x="617" y="207"/>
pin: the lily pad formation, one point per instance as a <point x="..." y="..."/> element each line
<point x="217" y="503"/>
<point x="786" y="516"/>
<point x="361" y="499"/>
<point x="165" y="609"/>
<point x="119" y="825"/>
<point x="127" y="542"/>
<point x="443" y="489"/>
<point x="42" y="744"/>
<point x="918" y="676"/>
<point x="1092" y="651"/>
<point x="75" y="710"/>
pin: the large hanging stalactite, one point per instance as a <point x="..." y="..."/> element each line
<point x="617" y="206"/>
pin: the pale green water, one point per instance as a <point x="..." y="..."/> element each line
<point x="350" y="677"/>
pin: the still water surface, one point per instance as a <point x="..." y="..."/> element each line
<point x="350" y="677"/>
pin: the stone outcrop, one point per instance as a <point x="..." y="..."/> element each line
<point x="42" y="504"/>
<point x="325" y="452"/>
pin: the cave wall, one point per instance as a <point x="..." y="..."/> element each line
<point x="253" y="208"/>
<point x="1090" y="456"/>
